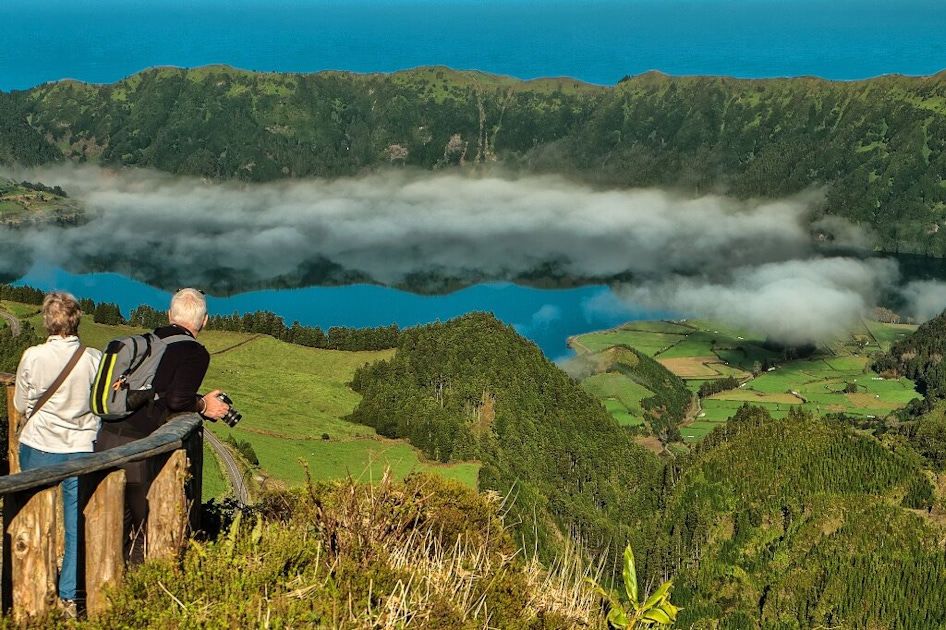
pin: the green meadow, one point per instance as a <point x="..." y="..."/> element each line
<point x="836" y="378"/>
<point x="294" y="401"/>
<point x="620" y="395"/>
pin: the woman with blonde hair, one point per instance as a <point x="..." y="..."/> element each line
<point x="53" y="381"/>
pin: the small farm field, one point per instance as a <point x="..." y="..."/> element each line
<point x="885" y="334"/>
<point x="648" y="339"/>
<point x="620" y="395"/>
<point x="835" y="378"/>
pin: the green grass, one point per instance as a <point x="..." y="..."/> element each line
<point x="20" y="310"/>
<point x="885" y="334"/>
<point x="612" y="385"/>
<point x="818" y="382"/>
<point x="290" y="397"/>
<point x="215" y="484"/>
<point x="697" y="344"/>
<point x="362" y="459"/>
<point x="647" y="342"/>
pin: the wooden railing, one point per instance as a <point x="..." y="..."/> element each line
<point x="31" y="536"/>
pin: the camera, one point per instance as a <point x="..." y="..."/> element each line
<point x="232" y="416"/>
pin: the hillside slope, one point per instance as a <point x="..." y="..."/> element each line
<point x="472" y="388"/>
<point x="800" y="523"/>
<point x="876" y="147"/>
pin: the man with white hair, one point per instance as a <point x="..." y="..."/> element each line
<point x="176" y="383"/>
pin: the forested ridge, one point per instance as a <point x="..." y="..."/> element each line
<point x="801" y="522"/>
<point x="876" y="147"/>
<point x="472" y="388"/>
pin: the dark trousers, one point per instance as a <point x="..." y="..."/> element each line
<point x="138" y="478"/>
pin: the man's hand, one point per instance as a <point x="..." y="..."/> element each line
<point x="214" y="407"/>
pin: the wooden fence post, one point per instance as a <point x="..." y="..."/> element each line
<point x="29" y="557"/>
<point x="194" y="445"/>
<point x="167" y="508"/>
<point x="13" y="420"/>
<point x="104" y="533"/>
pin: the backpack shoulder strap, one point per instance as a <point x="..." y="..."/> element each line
<point x="178" y="337"/>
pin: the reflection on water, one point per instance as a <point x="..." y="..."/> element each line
<point x="547" y="317"/>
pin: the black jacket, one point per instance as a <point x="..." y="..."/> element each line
<point x="176" y="382"/>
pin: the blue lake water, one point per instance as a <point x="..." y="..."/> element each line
<point x="547" y="317"/>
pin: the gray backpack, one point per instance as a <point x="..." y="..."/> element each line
<point x="123" y="383"/>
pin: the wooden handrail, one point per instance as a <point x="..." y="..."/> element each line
<point x="31" y="535"/>
<point x="170" y="437"/>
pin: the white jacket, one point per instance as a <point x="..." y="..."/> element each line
<point x="65" y="424"/>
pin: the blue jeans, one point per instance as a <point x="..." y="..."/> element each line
<point x="33" y="458"/>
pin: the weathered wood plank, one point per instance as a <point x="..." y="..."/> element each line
<point x="168" y="438"/>
<point x="28" y="584"/>
<point x="103" y="531"/>
<point x="29" y="558"/>
<point x="13" y="420"/>
<point x="167" y="509"/>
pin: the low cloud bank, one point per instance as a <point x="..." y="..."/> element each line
<point x="754" y="263"/>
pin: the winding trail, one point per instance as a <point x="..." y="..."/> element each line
<point x="12" y="321"/>
<point x="231" y="466"/>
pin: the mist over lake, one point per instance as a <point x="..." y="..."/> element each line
<point x="454" y="243"/>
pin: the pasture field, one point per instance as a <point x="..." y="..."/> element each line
<point x="703" y="350"/>
<point x="621" y="396"/>
<point x="885" y="334"/>
<point x="291" y="398"/>
<point x="20" y="310"/>
<point x="648" y="341"/>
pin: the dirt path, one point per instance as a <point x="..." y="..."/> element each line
<point x="237" y="345"/>
<point x="12" y="321"/>
<point x="240" y="492"/>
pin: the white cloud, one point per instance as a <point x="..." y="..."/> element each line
<point x="753" y="262"/>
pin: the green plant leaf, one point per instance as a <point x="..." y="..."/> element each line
<point x="670" y="609"/>
<point x="658" y="595"/>
<point x="630" y="575"/>
<point x="609" y="596"/>
<point x="658" y="616"/>
<point x="617" y="618"/>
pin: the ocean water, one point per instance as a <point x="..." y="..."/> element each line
<point x="595" y="41"/>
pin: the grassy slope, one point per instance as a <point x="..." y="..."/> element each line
<point x="289" y="397"/>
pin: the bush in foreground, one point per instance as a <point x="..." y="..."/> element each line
<point x="423" y="553"/>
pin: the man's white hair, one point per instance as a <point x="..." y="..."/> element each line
<point x="188" y="308"/>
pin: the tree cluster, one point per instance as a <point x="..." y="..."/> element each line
<point x="472" y="388"/>
<point x="715" y="386"/>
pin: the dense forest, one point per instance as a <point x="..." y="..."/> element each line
<point x="796" y="522"/>
<point x="472" y="388"/>
<point x="875" y="147"/>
